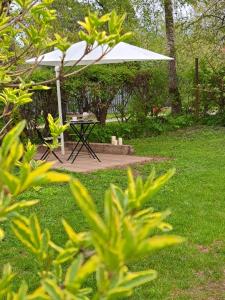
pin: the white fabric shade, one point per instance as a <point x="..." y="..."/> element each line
<point x="122" y="52"/>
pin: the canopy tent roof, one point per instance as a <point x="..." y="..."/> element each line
<point x="122" y="52"/>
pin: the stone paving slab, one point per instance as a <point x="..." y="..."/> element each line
<point x="85" y="164"/>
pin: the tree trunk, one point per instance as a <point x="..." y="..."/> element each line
<point x="197" y="91"/>
<point x="101" y="114"/>
<point x="64" y="103"/>
<point x="173" y="82"/>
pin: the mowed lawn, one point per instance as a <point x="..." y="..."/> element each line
<point x="195" y="195"/>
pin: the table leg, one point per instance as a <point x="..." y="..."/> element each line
<point x="79" y="140"/>
<point x="83" y="140"/>
<point x="87" y="145"/>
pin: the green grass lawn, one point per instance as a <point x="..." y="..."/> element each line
<point x="196" y="196"/>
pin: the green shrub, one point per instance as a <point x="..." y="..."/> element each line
<point x="213" y="120"/>
<point x="176" y="122"/>
<point x="127" y="130"/>
<point x="132" y="129"/>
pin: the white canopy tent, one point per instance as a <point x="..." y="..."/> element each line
<point x="122" y="52"/>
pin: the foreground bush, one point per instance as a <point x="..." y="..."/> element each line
<point x="127" y="231"/>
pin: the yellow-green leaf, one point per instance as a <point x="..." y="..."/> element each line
<point x="2" y="234"/>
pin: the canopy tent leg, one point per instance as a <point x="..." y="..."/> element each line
<point x="57" y="70"/>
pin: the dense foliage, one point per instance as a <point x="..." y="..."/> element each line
<point x="199" y="33"/>
<point x="143" y="88"/>
<point x="140" y="88"/>
<point x="148" y="127"/>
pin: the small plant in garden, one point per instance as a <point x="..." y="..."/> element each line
<point x="56" y="129"/>
<point x="127" y="231"/>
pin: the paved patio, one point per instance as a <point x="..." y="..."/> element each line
<point x="85" y="164"/>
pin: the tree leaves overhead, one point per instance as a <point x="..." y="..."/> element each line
<point x="93" y="33"/>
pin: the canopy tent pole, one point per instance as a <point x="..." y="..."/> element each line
<point x="57" y="72"/>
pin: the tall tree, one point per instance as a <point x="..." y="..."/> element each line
<point x="173" y="81"/>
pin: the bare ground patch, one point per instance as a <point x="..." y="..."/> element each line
<point x="209" y="289"/>
<point x="214" y="290"/>
<point x="217" y="245"/>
